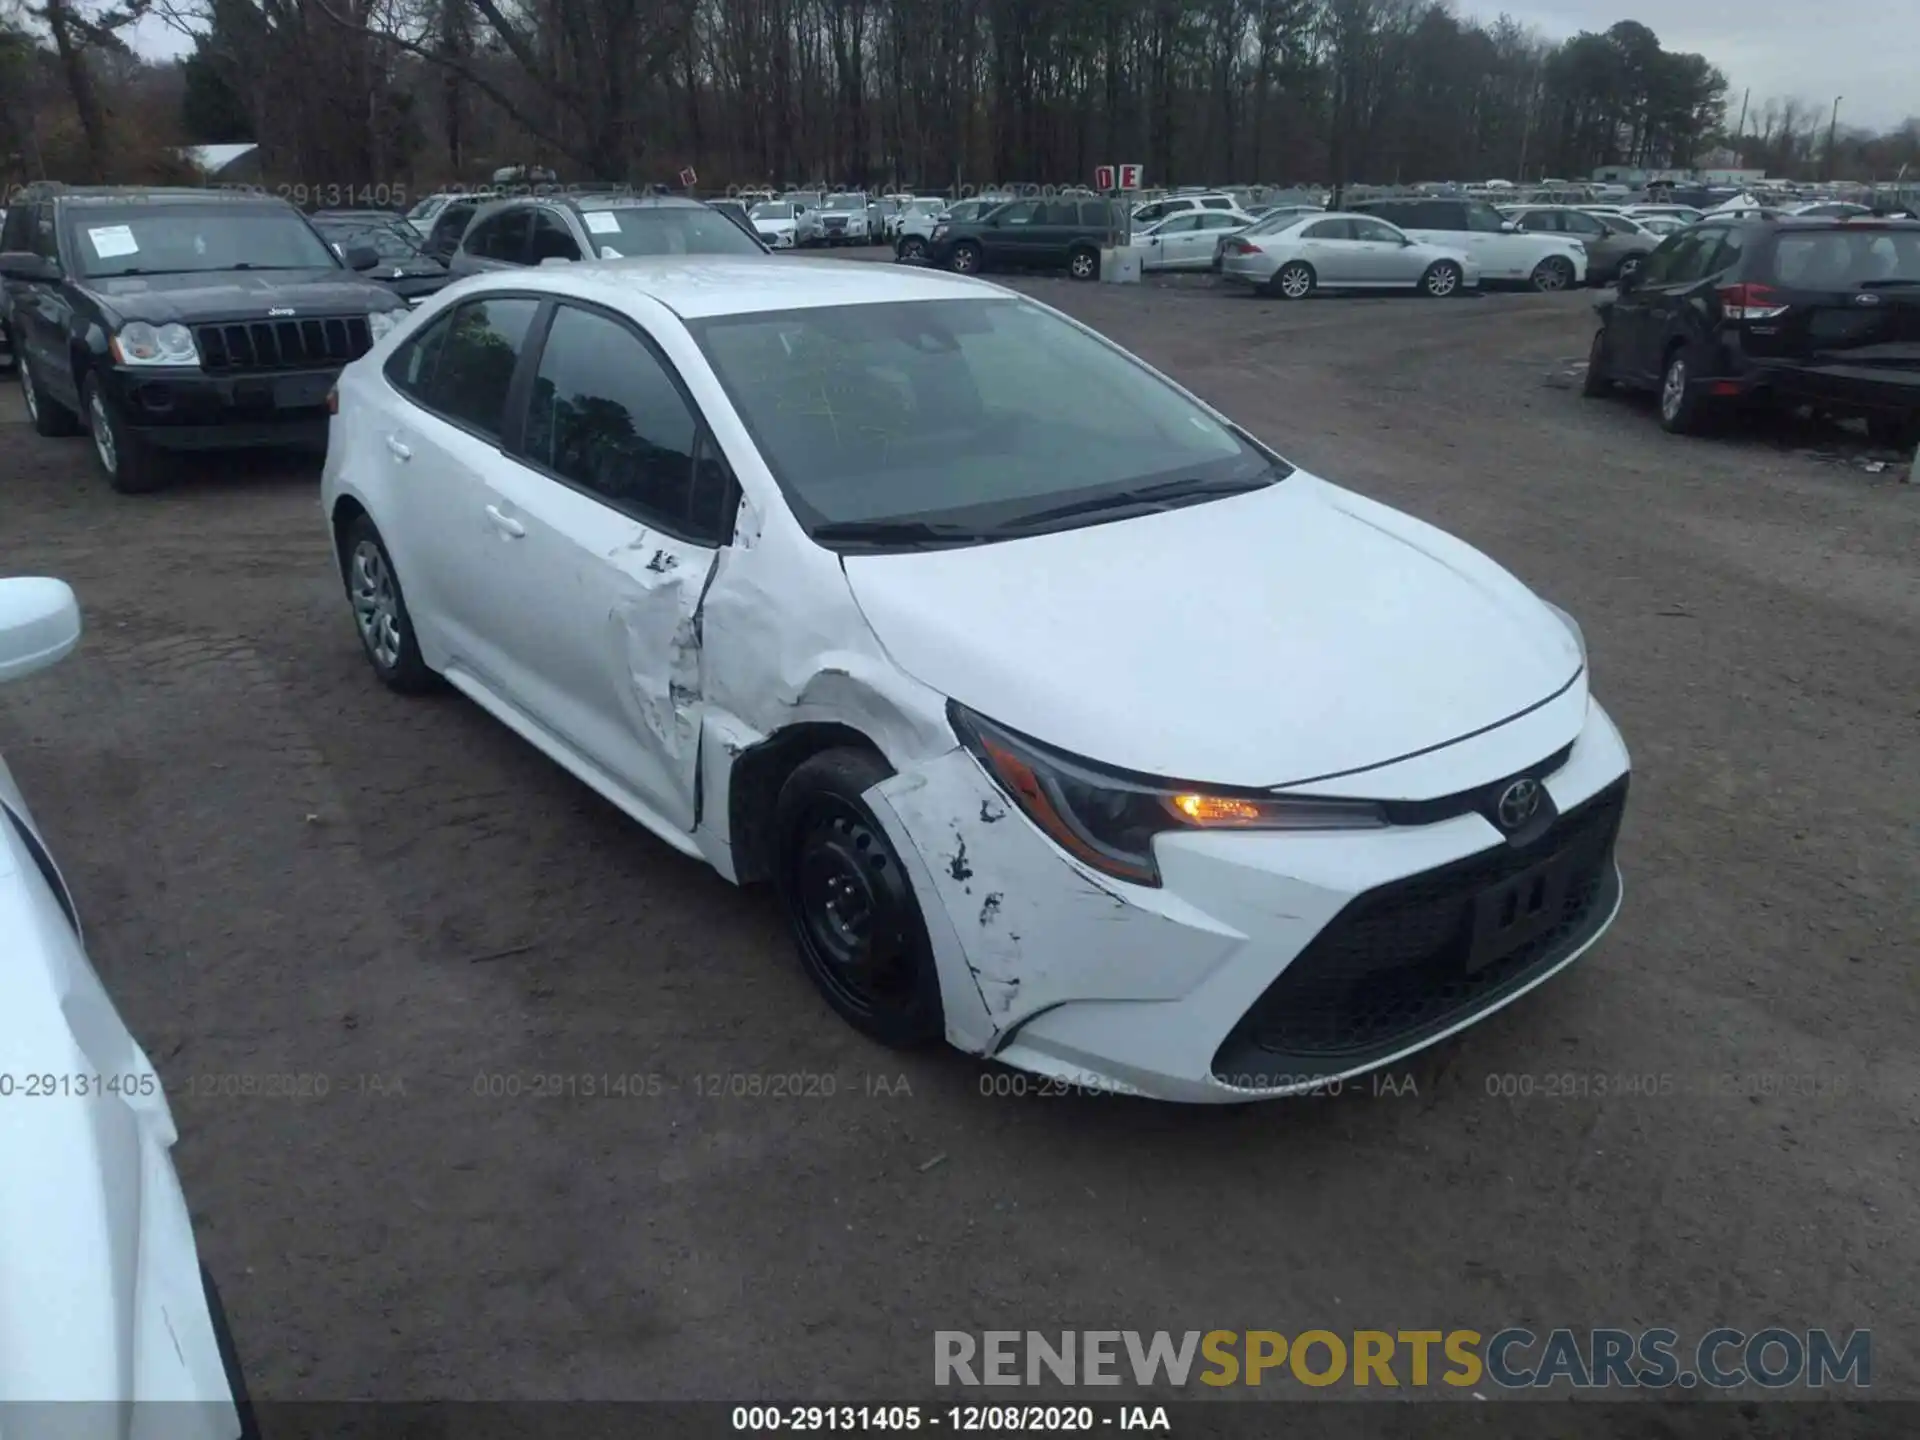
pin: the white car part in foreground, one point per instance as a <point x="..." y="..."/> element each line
<point x="1390" y="802"/>
<point x="102" y="1298"/>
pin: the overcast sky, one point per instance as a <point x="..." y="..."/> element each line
<point x="1867" y="51"/>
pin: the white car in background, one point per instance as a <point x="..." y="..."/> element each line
<point x="1152" y="212"/>
<point x="843" y="577"/>
<point x="1187" y="241"/>
<point x="1496" y="245"/>
<point x="102" y="1295"/>
<point x="777" y="223"/>
<point x="1343" y="252"/>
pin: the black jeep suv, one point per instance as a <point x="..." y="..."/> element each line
<point x="1730" y="312"/>
<point x="167" y="320"/>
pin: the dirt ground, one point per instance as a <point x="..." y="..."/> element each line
<point x="286" y="870"/>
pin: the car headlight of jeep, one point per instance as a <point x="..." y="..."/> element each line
<point x="382" y="323"/>
<point x="139" y="343"/>
<point x="1107" y="819"/>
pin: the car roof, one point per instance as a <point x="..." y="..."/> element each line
<point x="698" y="287"/>
<point x="143" y="195"/>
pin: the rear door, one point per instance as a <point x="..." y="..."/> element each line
<point x="1007" y="235"/>
<point x="1665" y="300"/>
<point x="618" y="504"/>
<point x="1852" y="295"/>
<point x="448" y="228"/>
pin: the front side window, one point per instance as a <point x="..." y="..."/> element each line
<point x="605" y="416"/>
<point x="978" y="412"/>
<point x="188" y="239"/>
<point x="1377" y="231"/>
<point x="500" y="237"/>
<point x="474" y="370"/>
<point x="1020" y="212"/>
<point x="1578" y="222"/>
<point x="1539" y="221"/>
<point x="1179" y="225"/>
<point x="1484" y="219"/>
<point x="624" y="230"/>
<point x="1328" y="230"/>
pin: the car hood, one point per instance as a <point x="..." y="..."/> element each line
<point x="244" y="294"/>
<point x="95" y="1235"/>
<point x="1292" y="634"/>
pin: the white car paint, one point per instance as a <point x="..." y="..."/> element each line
<point x="1187" y="241"/>
<point x="1500" y="249"/>
<point x="777" y="224"/>
<point x="101" y="1294"/>
<point x="1343" y="252"/>
<point x="1296" y="640"/>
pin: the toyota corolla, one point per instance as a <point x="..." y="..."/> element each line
<point x="1070" y="722"/>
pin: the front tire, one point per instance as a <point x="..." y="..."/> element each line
<point x="1442" y="280"/>
<point x="851" y="905"/>
<point x="1084" y="263"/>
<point x="131" y="466"/>
<point x="912" y="247"/>
<point x="380" y="611"/>
<point x="966" y="258"/>
<point x="1293" y="281"/>
<point x="1553" y="274"/>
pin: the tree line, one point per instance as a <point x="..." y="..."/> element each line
<point x="917" y="93"/>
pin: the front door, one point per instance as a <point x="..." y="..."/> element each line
<point x="1380" y="254"/>
<point x="612" y="514"/>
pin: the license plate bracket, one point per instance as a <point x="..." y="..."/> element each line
<point x="1516" y="911"/>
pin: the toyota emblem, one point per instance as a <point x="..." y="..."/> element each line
<point x="1517" y="804"/>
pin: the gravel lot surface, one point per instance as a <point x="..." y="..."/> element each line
<point x="286" y="870"/>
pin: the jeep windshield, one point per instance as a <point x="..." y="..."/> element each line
<point x="111" y="240"/>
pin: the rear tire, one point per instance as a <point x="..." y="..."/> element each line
<point x="49" y="416"/>
<point x="1553" y="274"/>
<point x="912" y="247"/>
<point x="1598" y="383"/>
<point x="851" y="905"/>
<point x="380" y="612"/>
<point x="1084" y="263"/>
<point x="1293" y="281"/>
<point x="1682" y="411"/>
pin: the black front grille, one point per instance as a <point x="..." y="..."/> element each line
<point x="282" y="344"/>
<point x="1396" y="965"/>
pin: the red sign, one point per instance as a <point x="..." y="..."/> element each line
<point x="1129" y="177"/>
<point x="688" y="179"/>
<point x="1103" y="177"/>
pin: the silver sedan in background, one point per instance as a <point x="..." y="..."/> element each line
<point x="1344" y="252"/>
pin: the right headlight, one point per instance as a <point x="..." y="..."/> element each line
<point x="1108" y="819"/>
<point x="139" y="343"/>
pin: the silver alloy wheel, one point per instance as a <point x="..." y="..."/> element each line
<point x="1082" y="266"/>
<point x="27" y="392"/>
<point x="1441" y="280"/>
<point x="102" y="432"/>
<point x="1295" y="282"/>
<point x="1552" y="274"/>
<point x="1673" y="389"/>
<point x="963" y="260"/>
<point x="376" y="610"/>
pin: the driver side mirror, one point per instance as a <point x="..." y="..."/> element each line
<point x="25" y="265"/>
<point x="361" y="257"/>
<point x="39" y="625"/>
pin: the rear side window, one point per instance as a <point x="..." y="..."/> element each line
<point x="1216" y="203"/>
<point x="410" y="368"/>
<point x="1689" y="260"/>
<point x="1848" y="259"/>
<point x="451" y="225"/>
<point x="1096" y="213"/>
<point x="606" y="416"/>
<point x="1058" y="212"/>
<point x="1541" y="221"/>
<point x="17" y="233"/>
<point x="501" y="237"/>
<point x="474" y="368"/>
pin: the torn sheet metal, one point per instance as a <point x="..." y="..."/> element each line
<point x="1035" y="928"/>
<point x="657" y="634"/>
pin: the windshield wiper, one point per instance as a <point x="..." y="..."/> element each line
<point x="895" y="532"/>
<point x="1149" y="497"/>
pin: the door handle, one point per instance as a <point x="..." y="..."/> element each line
<point x="505" y="524"/>
<point x="399" y="449"/>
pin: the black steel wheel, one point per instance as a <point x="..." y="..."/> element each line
<point x="851" y="905"/>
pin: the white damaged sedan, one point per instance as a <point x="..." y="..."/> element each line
<point x="1071" y="722"/>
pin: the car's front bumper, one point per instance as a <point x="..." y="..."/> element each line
<point x="182" y="408"/>
<point x="1265" y="964"/>
<point x="777" y="239"/>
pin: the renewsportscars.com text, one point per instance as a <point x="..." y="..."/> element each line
<point x="1509" y="1359"/>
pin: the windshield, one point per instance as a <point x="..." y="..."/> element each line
<point x="426" y="207"/>
<point x="1850" y="259"/>
<point x="122" y="240"/>
<point x="973" y="413"/>
<point x="846" y="202"/>
<point x="779" y="210"/>
<point x="384" y="240"/>
<point x="665" y="230"/>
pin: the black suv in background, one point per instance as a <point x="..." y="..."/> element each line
<point x="163" y="320"/>
<point x="1819" y="312"/>
<point x="513" y="233"/>
<point x="1060" y="234"/>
